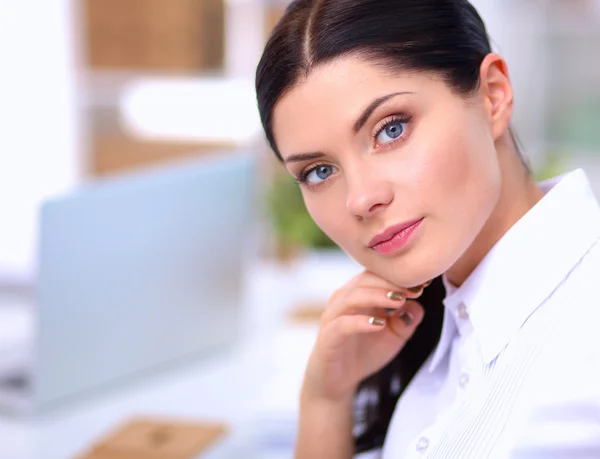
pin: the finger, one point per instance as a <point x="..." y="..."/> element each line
<point x="363" y="300"/>
<point x="345" y="326"/>
<point x="415" y="292"/>
<point x="404" y="324"/>
<point x="363" y="279"/>
<point x="373" y="280"/>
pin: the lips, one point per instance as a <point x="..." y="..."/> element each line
<point x="392" y="231"/>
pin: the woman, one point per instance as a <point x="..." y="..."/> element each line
<point x="394" y="115"/>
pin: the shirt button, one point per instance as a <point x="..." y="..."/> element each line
<point x="462" y="311"/>
<point x="464" y="380"/>
<point x="422" y="444"/>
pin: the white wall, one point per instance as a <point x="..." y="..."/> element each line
<point x="40" y="141"/>
<point x="244" y="37"/>
<point x="517" y="29"/>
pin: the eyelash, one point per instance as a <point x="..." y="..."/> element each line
<point x="302" y="178"/>
<point x="394" y="119"/>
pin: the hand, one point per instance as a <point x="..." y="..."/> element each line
<point x="366" y="323"/>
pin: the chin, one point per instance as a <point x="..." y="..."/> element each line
<point x="412" y="269"/>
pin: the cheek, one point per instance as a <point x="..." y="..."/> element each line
<point x="449" y="166"/>
<point x="328" y="210"/>
<point x="463" y="173"/>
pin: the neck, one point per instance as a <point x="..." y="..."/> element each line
<point x="519" y="194"/>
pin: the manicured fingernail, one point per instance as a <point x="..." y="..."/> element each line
<point x="416" y="289"/>
<point x="376" y="321"/>
<point x="389" y="311"/>
<point x="406" y="317"/>
<point x="396" y="296"/>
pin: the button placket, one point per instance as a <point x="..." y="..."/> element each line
<point x="463" y="312"/>
<point x="464" y="380"/>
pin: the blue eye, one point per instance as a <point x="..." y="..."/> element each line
<point x="318" y="174"/>
<point x="391" y="131"/>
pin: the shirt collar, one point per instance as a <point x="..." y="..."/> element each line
<point x="523" y="267"/>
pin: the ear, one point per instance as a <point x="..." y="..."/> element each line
<point x="497" y="92"/>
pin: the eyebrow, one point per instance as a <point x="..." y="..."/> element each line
<point x="358" y="125"/>
<point x="303" y="157"/>
<point x="367" y="112"/>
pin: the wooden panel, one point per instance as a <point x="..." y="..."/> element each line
<point x="273" y="14"/>
<point x="115" y="153"/>
<point x="173" y="35"/>
<point x="158" y="439"/>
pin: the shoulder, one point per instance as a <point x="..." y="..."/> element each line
<point x="570" y="356"/>
<point x="562" y="392"/>
<point x="580" y="297"/>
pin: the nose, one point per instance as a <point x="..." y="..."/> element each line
<point x="367" y="194"/>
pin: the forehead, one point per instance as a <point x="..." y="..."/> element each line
<point x="330" y="99"/>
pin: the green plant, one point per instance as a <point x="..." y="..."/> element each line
<point x="293" y="226"/>
<point x="554" y="164"/>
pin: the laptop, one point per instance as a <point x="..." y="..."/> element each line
<point x="134" y="273"/>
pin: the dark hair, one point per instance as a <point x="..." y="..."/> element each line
<point x="446" y="37"/>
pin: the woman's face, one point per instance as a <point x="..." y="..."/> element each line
<point x="390" y="155"/>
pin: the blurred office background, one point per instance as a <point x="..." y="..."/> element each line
<point x="91" y="89"/>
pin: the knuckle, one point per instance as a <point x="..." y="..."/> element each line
<point x="337" y="304"/>
<point x="341" y="326"/>
<point x="335" y="295"/>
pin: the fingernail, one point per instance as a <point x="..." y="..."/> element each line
<point x="406" y="317"/>
<point x="389" y="311"/>
<point x="416" y="289"/>
<point x="396" y="296"/>
<point x="376" y="321"/>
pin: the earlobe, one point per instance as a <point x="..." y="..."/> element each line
<point x="498" y="93"/>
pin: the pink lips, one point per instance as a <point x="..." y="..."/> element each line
<point x="394" y="238"/>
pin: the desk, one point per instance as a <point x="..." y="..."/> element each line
<point x="207" y="389"/>
<point x="220" y="386"/>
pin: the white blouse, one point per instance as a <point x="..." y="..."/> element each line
<point x="516" y="373"/>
